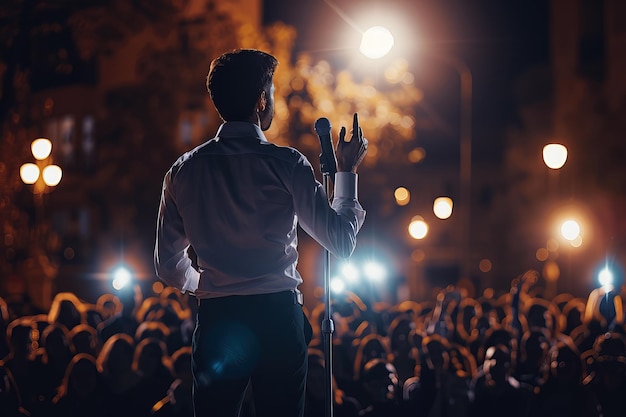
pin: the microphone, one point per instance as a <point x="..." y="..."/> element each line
<point x="328" y="160"/>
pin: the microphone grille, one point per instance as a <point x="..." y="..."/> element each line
<point x="322" y="126"/>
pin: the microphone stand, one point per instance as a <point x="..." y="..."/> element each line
<point x="328" y="327"/>
<point x="328" y="167"/>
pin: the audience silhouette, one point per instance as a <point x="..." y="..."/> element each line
<point x="513" y="353"/>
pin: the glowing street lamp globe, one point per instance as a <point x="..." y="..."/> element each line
<point x="52" y="175"/>
<point x="41" y="148"/>
<point x="29" y="173"/>
<point x="376" y="42"/>
<point x="442" y="207"/>
<point x="570" y="230"/>
<point x="418" y="228"/>
<point x="402" y="196"/>
<point x="554" y="155"/>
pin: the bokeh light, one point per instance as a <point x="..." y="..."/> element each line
<point x="402" y="196"/>
<point x="542" y="254"/>
<point x="376" y="42"/>
<point x="337" y="285"/>
<point x="551" y="271"/>
<point x="350" y="272"/>
<point x="570" y="229"/>
<point x="374" y="271"/>
<point x="418" y="228"/>
<point x="554" y="155"/>
<point x="121" y="277"/>
<point x="52" y="175"/>
<point x="442" y="207"/>
<point x="605" y="278"/>
<point x="29" y="173"/>
<point x="485" y="265"/>
<point x="577" y="242"/>
<point x="416" y="155"/>
<point x="41" y="148"/>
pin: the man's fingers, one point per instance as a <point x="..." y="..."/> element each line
<point x="355" y="123"/>
<point x="342" y="134"/>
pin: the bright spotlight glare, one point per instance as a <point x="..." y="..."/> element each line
<point x="350" y="272"/>
<point x="570" y="230"/>
<point x="605" y="278"/>
<point x="337" y="285"/>
<point x="376" y="42"/>
<point x="121" y="278"/>
<point x="374" y="271"/>
<point x="554" y="155"/>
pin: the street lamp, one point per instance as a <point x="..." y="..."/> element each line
<point x="442" y="207"/>
<point x="377" y="42"/>
<point x="43" y="173"/>
<point x="418" y="228"/>
<point x="554" y="155"/>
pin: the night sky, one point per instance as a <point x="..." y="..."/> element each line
<point x="498" y="40"/>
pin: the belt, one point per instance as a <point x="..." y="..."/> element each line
<point x="296" y="295"/>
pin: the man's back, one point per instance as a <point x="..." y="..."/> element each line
<point x="234" y="194"/>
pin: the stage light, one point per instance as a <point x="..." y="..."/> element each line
<point x="374" y="271"/>
<point x="350" y="272"/>
<point x="605" y="278"/>
<point x="337" y="285"/>
<point x="121" y="277"/>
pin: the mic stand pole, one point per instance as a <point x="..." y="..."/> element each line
<point x="328" y="326"/>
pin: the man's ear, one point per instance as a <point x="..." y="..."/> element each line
<point x="262" y="101"/>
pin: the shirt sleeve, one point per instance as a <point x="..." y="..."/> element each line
<point x="334" y="226"/>
<point x="171" y="262"/>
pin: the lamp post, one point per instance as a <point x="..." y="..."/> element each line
<point x="42" y="175"/>
<point x="376" y="43"/>
<point x="465" y="155"/>
<point x="554" y="157"/>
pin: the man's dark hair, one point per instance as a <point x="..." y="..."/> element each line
<point x="236" y="80"/>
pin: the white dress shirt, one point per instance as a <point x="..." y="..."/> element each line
<point x="238" y="199"/>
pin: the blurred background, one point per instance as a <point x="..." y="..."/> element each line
<point x="496" y="135"/>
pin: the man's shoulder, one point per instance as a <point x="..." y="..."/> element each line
<point x="243" y="145"/>
<point x="282" y="151"/>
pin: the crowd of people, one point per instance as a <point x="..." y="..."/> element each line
<point x="515" y="353"/>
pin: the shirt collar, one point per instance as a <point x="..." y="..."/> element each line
<point x="240" y="129"/>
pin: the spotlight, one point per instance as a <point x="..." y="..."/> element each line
<point x="605" y="278"/>
<point x="350" y="272"/>
<point x="375" y="271"/>
<point x="337" y="285"/>
<point x="121" y="277"/>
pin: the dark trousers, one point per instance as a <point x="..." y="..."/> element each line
<point x="256" y="339"/>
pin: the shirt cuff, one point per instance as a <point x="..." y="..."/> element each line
<point x="192" y="278"/>
<point x="346" y="184"/>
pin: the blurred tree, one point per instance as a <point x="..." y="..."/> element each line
<point x="144" y="64"/>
